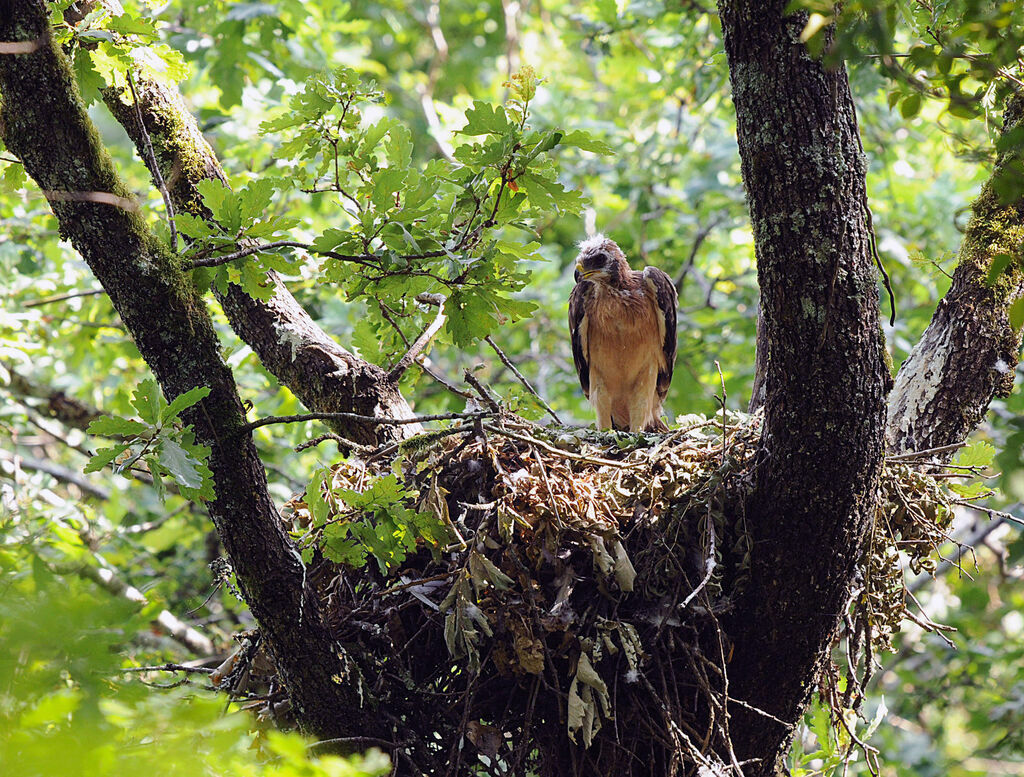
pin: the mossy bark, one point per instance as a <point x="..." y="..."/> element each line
<point x="323" y="375"/>
<point x="817" y="474"/>
<point x="969" y="351"/>
<point x="45" y="124"/>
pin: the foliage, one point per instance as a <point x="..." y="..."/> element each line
<point x="67" y="706"/>
<point x="168" y="449"/>
<point x="350" y="525"/>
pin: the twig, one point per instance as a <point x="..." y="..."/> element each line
<point x="62" y="474"/>
<point x="413" y="583"/>
<point x="169" y="667"/>
<point x="153" y="165"/>
<point x="485" y="395"/>
<point x="107" y="578"/>
<point x="709" y="563"/>
<point x="292" y="419"/>
<point x="355" y="741"/>
<point x="721" y="401"/>
<point x="963" y="546"/>
<point x="564" y="454"/>
<point x="521" y="378"/>
<point x="990" y="512"/>
<point x="365" y="259"/>
<point x="418" y="345"/>
<point x="927" y="452"/>
<point x="335" y="438"/>
<point x="216" y="261"/>
<point x="61" y="297"/>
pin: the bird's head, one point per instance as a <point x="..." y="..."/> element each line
<point x="600" y="260"/>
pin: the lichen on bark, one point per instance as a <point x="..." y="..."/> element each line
<point x="967" y="355"/>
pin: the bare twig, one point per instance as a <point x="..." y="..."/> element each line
<point x="169" y="667"/>
<point x="292" y="419"/>
<point x="485" y="395"/>
<point x="418" y="345"/>
<point x="106" y="577"/>
<point x="709" y="562"/>
<point x="35" y="303"/>
<point x="563" y="454"/>
<point x="927" y="452"/>
<point x="365" y="259"/>
<point x="521" y="378"/>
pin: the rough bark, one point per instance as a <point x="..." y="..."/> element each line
<point x="817" y="471"/>
<point x="44" y="123"/>
<point x="968" y="353"/>
<point x="323" y="375"/>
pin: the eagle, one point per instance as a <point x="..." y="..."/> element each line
<point x="623" y="328"/>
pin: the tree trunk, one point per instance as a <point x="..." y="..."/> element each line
<point x="44" y="123"/>
<point x="322" y="374"/>
<point x="968" y="353"/>
<point x="817" y="471"/>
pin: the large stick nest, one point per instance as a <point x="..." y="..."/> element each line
<point x="562" y="615"/>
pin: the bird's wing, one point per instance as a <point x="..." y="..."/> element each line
<point x="578" y="333"/>
<point x="665" y="297"/>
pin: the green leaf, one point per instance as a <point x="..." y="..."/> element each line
<point x="969" y="490"/>
<point x="1016" y="313"/>
<point x="587" y="142"/>
<point x="977" y="454"/>
<point x="254" y="199"/>
<point x="910" y="106"/>
<point x="223" y="204"/>
<point x="193" y="226"/>
<point x="182" y="466"/>
<point x="148" y="401"/>
<point x="385" y="184"/>
<point x="999" y="263"/>
<point x="318" y="507"/>
<point x="103" y="457"/>
<point x="183" y="401"/>
<point x="115" y="426"/>
<point x="485" y="119"/>
<point x="399" y="145"/>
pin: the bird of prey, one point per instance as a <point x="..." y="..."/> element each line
<point x="623" y="326"/>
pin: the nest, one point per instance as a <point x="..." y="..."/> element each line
<point x="545" y="600"/>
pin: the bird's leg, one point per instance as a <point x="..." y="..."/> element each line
<point x="642" y="403"/>
<point x="602" y="403"/>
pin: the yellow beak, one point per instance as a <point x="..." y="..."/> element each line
<point x="584" y="273"/>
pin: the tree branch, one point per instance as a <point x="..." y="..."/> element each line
<point x="303" y="417"/>
<point x="418" y="345"/>
<point x="968" y="353"/>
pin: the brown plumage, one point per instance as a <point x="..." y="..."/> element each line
<point x="623" y="328"/>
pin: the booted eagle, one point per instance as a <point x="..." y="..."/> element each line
<point x="623" y="325"/>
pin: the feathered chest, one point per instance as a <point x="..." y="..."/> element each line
<point x="622" y="318"/>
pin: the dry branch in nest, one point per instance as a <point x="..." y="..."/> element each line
<point x="559" y="612"/>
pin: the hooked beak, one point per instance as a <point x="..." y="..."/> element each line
<point x="580" y="274"/>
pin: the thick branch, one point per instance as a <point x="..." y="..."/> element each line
<point x="45" y="124"/>
<point x="821" y="448"/>
<point x="322" y="374"/>
<point x="968" y="353"/>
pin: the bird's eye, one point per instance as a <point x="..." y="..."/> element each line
<point x="595" y="260"/>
